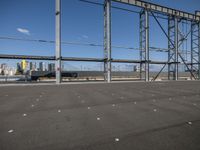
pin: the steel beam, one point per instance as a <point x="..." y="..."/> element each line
<point x="161" y="9"/>
<point x="52" y="58"/>
<point x="107" y="40"/>
<point x="58" y="42"/>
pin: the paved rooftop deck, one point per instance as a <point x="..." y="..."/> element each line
<point x="118" y="116"/>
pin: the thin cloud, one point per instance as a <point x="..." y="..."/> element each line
<point x="24" y="31"/>
<point x="85" y="36"/>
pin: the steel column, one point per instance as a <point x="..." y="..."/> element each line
<point x="176" y="48"/>
<point x="199" y="50"/>
<point x="147" y="46"/>
<point x="58" y="42"/>
<point x="173" y="42"/>
<point x="144" y="45"/>
<point x="195" y="49"/>
<point x="107" y="40"/>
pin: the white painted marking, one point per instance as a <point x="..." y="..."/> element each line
<point x="116" y="139"/>
<point x="98" y="118"/>
<point x="113" y="105"/>
<point x="88" y="108"/>
<point x="154" y="110"/>
<point x="10" y="131"/>
<point x="59" y="110"/>
<point x="32" y="105"/>
<point x="24" y="115"/>
<point x="189" y="122"/>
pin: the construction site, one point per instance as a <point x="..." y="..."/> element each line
<point x="145" y="99"/>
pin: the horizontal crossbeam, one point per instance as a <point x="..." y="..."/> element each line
<point x="161" y="9"/>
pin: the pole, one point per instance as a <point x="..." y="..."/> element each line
<point x="176" y="48"/>
<point x="58" y="42"/>
<point x="107" y="39"/>
<point x="146" y="45"/>
<point x="199" y="51"/>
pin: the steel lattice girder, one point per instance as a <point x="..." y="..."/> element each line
<point x="161" y="9"/>
<point x="195" y="48"/>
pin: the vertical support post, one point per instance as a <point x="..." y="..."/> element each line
<point x="58" y="42"/>
<point x="176" y="48"/>
<point x="199" y="50"/>
<point x="146" y="45"/>
<point x="171" y="47"/>
<point x="107" y="40"/>
<point x="191" y="56"/>
<point x="195" y="49"/>
<point x="142" y="46"/>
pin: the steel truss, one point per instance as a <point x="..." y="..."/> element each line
<point x="144" y="45"/>
<point x="173" y="48"/>
<point x="195" y="49"/>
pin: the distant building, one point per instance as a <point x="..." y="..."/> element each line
<point x="6" y="70"/>
<point x="136" y="68"/>
<point x="40" y="66"/>
<point x="31" y="66"/>
<point x="34" y="66"/>
<point x="51" y="67"/>
<point x="24" y="64"/>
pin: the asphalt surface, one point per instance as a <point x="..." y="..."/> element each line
<point x="117" y="116"/>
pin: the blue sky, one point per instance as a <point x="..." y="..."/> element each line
<point x="81" y="22"/>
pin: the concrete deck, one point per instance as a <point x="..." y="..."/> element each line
<point x="118" y="116"/>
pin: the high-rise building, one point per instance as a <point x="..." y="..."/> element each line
<point x="51" y="67"/>
<point x="44" y="66"/>
<point x="31" y="66"/>
<point x="24" y="64"/>
<point x="40" y="66"/>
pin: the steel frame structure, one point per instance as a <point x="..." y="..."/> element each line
<point x="174" y="36"/>
<point x="173" y="48"/>
<point x="195" y="48"/>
